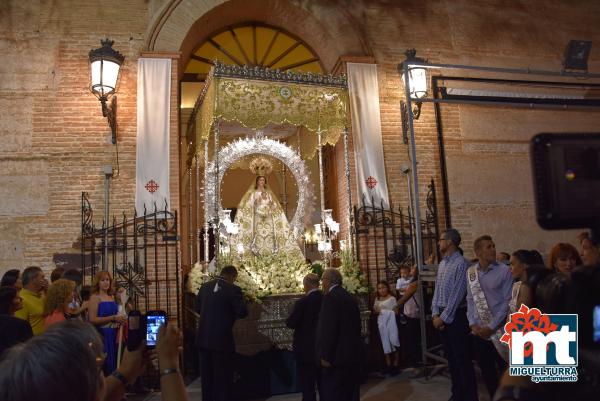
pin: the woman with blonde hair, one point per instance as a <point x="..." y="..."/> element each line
<point x="104" y="314"/>
<point x="56" y="306"/>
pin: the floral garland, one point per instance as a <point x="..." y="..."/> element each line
<point x="258" y="276"/>
<point x="277" y="274"/>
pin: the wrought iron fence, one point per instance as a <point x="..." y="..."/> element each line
<point x="385" y="238"/>
<point x="141" y="253"/>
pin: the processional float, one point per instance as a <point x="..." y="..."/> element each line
<point x="256" y="97"/>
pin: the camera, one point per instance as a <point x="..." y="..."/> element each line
<point x="566" y="181"/>
<point x="566" y="174"/>
<point x="144" y="327"/>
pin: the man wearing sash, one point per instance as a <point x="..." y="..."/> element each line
<point x="489" y="286"/>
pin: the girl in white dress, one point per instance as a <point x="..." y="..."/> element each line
<point x="385" y="308"/>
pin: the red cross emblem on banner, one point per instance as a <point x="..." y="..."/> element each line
<point x="152" y="186"/>
<point x="371" y="182"/>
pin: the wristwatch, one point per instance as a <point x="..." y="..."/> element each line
<point x="168" y="371"/>
<point x="119" y="376"/>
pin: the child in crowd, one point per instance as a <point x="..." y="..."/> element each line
<point x="385" y="308"/>
<point x="403" y="281"/>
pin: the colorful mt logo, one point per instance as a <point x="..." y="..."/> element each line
<point x="543" y="346"/>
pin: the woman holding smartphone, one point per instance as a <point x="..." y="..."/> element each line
<point x="104" y="314"/>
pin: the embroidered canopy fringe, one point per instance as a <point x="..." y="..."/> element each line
<point x="265" y="97"/>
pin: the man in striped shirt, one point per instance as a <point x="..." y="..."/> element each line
<point x="449" y="314"/>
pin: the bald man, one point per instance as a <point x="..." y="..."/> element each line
<point x="338" y="341"/>
<point x="303" y="320"/>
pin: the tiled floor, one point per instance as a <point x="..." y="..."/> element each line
<point x="398" y="388"/>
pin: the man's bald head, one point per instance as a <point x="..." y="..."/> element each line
<point x="330" y="278"/>
<point x="311" y="281"/>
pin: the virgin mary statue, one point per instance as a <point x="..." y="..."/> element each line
<point x="263" y="227"/>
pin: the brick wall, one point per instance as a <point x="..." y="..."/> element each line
<point x="55" y="140"/>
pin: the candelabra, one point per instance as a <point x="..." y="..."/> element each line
<point x="326" y="233"/>
<point x="231" y="231"/>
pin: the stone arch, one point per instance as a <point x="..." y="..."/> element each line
<point x="330" y="29"/>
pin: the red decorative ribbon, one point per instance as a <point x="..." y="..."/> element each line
<point x="524" y="321"/>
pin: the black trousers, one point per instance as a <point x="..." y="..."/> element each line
<point x="457" y="346"/>
<point x="216" y="375"/>
<point x="490" y="362"/>
<point x="410" y="334"/>
<point x="340" y="383"/>
<point x="310" y="380"/>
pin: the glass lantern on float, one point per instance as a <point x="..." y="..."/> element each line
<point x="231" y="231"/>
<point x="326" y="233"/>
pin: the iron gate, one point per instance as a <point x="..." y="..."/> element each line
<point x="141" y="253"/>
<point x="385" y="238"/>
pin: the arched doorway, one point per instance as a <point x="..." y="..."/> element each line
<point x="275" y="34"/>
<point x="249" y="43"/>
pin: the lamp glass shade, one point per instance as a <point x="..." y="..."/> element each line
<point x="240" y="248"/>
<point x="327" y="215"/>
<point x="418" y="82"/>
<point x="233" y="228"/>
<point x="104" y="77"/>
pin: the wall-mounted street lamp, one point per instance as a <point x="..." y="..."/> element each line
<point x="417" y="79"/>
<point x="105" y="65"/>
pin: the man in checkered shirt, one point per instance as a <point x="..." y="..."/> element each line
<point x="449" y="312"/>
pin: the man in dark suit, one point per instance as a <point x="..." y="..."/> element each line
<point x="338" y="341"/>
<point x="304" y="320"/>
<point x="219" y="303"/>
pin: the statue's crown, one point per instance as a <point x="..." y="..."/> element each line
<point x="261" y="166"/>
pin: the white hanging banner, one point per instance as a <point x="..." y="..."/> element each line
<point x="153" y="112"/>
<point x="366" y="132"/>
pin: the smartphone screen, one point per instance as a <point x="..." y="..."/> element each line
<point x="597" y="323"/>
<point x="153" y="323"/>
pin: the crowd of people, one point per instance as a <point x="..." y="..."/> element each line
<point x="327" y="336"/>
<point x="47" y="327"/>
<point x="473" y="300"/>
<point x="59" y="340"/>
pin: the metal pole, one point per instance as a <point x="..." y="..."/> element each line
<point x="108" y="172"/>
<point x="348" y="189"/>
<point x="416" y="211"/>
<point x="521" y="71"/>
<point x="206" y="222"/>
<point x="217" y="223"/>
<point x="406" y="170"/>
<point x="322" y="192"/>
<point x="197" y="206"/>
<point x="321" y="179"/>
<point x="191" y="214"/>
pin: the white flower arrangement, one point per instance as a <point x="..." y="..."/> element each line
<point x="197" y="277"/>
<point x="258" y="276"/>
<point x="277" y="274"/>
<point x="352" y="276"/>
